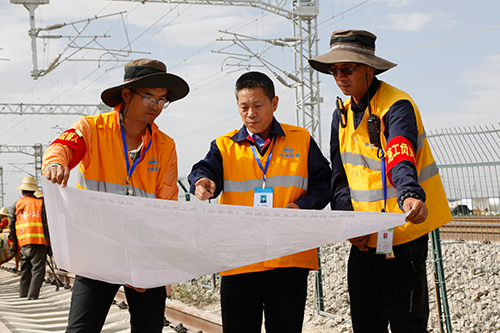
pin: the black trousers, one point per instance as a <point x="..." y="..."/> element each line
<point x="91" y="300"/>
<point x="33" y="257"/>
<point x="279" y="293"/>
<point x="394" y="292"/>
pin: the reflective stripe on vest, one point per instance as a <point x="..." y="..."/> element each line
<point x="95" y="185"/>
<point x="275" y="181"/>
<point x="374" y="195"/>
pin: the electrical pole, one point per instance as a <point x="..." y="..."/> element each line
<point x="1" y="186"/>
<point x="31" y="5"/>
<point x="36" y="151"/>
<point x="34" y="33"/>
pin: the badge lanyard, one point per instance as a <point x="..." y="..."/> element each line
<point x="130" y="169"/>
<point x="256" y="156"/>
<point x="384" y="177"/>
<point x="385" y="237"/>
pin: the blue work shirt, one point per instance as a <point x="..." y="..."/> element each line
<point x="318" y="190"/>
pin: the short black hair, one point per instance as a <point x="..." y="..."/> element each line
<point x="253" y="80"/>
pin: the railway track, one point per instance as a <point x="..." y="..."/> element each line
<point x="50" y="312"/>
<point x="472" y="228"/>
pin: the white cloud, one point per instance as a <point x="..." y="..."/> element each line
<point x="484" y="81"/>
<point x="406" y="22"/>
<point x="445" y="20"/>
<point x="398" y="3"/>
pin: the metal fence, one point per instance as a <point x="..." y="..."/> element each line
<point x="469" y="164"/>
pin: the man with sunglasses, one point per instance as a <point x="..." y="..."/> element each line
<point x="381" y="161"/>
<point x="121" y="152"/>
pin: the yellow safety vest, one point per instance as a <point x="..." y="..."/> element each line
<point x="287" y="175"/>
<point x="363" y="169"/>
<point x="29" y="226"/>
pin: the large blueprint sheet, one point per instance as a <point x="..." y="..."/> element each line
<point x="149" y="242"/>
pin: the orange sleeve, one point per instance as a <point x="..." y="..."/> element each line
<point x="169" y="189"/>
<point x="62" y="154"/>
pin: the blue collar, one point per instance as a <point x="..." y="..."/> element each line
<point x="242" y="134"/>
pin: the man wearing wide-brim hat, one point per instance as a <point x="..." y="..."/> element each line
<point x="122" y="152"/>
<point x="381" y="161"/>
<point x="29" y="231"/>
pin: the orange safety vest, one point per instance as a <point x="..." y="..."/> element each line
<point x="29" y="226"/>
<point x="287" y="175"/>
<point x="363" y="169"/>
<point x="103" y="167"/>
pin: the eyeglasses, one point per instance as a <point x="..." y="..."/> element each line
<point x="150" y="101"/>
<point x="345" y="70"/>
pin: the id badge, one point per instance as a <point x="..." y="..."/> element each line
<point x="384" y="241"/>
<point x="263" y="197"/>
<point x="128" y="191"/>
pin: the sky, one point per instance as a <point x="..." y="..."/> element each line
<point x="448" y="56"/>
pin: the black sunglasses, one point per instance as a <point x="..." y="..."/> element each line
<point x="345" y="70"/>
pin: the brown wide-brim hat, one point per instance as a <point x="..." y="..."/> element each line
<point x="146" y="73"/>
<point x="28" y="184"/>
<point x="349" y="45"/>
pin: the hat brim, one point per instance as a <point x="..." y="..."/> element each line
<point x="27" y="187"/>
<point x="322" y="62"/>
<point x="4" y="212"/>
<point x="177" y="88"/>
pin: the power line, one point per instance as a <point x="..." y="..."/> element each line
<point x="443" y="40"/>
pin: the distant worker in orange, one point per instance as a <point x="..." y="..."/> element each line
<point x="121" y="152"/>
<point x="28" y="229"/>
<point x="4" y="218"/>
<point x="5" y="243"/>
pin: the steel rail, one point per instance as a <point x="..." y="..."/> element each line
<point x="180" y="317"/>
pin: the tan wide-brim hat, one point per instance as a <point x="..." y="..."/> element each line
<point x="349" y="45"/>
<point x="4" y="211"/>
<point x="28" y="184"/>
<point x="38" y="194"/>
<point x="146" y="73"/>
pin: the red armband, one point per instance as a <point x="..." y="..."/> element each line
<point x="399" y="149"/>
<point x="73" y="139"/>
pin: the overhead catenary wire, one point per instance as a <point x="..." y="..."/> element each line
<point x="83" y="79"/>
<point x="11" y="127"/>
<point x="204" y="80"/>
